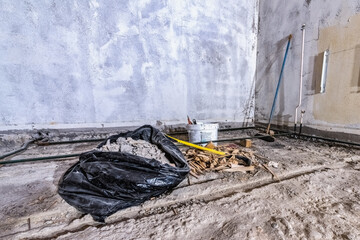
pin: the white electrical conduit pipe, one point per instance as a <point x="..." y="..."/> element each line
<point x="301" y="80"/>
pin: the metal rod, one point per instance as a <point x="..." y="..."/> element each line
<point x="278" y="85"/>
<point x="301" y="74"/>
<point x="197" y="146"/>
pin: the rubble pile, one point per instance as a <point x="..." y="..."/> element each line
<point x="139" y="147"/>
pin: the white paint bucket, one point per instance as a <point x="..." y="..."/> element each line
<point x="202" y="132"/>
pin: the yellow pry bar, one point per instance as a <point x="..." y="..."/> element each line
<point x="197" y="146"/>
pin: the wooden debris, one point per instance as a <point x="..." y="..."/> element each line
<point x="266" y="167"/>
<point x="220" y="168"/>
<point x="203" y="157"/>
<point x="246" y="143"/>
<point x="270" y="171"/>
<point x="192" y="174"/>
<point x="29" y="224"/>
<point x="203" y="161"/>
<point x="240" y="169"/>
<point x="210" y="145"/>
<point x="174" y="211"/>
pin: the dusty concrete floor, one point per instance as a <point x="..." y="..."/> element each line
<point x="318" y="197"/>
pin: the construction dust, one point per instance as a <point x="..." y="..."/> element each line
<point x="317" y="197"/>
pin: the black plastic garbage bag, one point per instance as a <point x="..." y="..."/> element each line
<point x="101" y="183"/>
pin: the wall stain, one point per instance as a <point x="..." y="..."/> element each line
<point x="340" y="103"/>
<point x="135" y="61"/>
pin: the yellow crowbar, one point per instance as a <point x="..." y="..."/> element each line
<point x="198" y="147"/>
<point x="245" y="159"/>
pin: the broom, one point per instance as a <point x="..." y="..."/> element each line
<point x="267" y="137"/>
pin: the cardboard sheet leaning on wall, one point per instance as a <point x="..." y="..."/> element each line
<point x="101" y="183"/>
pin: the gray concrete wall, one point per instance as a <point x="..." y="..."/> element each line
<point x="333" y="25"/>
<point x="113" y="63"/>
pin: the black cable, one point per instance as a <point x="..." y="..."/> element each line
<point x="294" y="134"/>
<point x="78" y="154"/>
<point x="24" y="147"/>
<point x="243" y="138"/>
<point x="39" y="158"/>
<point x="42" y="143"/>
<point x="330" y="140"/>
<point x="283" y="133"/>
<point x="220" y="130"/>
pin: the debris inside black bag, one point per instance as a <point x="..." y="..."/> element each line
<point x="139" y="147"/>
<point x="116" y="176"/>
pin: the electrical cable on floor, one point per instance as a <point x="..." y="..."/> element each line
<point x="295" y="134"/>
<point x="24" y="147"/>
<point x="242" y="138"/>
<point x="282" y="133"/>
<point x="39" y="158"/>
<point x="41" y="143"/>
<point x="78" y="154"/>
<point x="329" y="140"/>
<point x="46" y="143"/>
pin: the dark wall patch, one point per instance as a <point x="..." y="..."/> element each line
<point x="308" y="2"/>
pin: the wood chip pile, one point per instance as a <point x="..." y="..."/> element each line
<point x="203" y="161"/>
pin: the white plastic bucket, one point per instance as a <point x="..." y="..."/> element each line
<point x="202" y="132"/>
